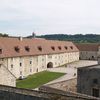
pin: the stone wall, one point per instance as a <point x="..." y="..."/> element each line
<point x="46" y="93"/>
<point x="6" y="77"/>
<point x="88" y="78"/>
<point x="68" y="85"/>
<point x="10" y="93"/>
<point x="67" y="94"/>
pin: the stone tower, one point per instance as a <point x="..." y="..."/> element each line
<point x="33" y="35"/>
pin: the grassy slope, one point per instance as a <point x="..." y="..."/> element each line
<point x="38" y="79"/>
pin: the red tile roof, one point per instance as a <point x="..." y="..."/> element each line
<point x="88" y="46"/>
<point x="8" y="46"/>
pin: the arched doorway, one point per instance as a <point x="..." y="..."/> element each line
<point x="50" y="65"/>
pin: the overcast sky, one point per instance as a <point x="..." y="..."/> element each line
<point x="22" y="17"/>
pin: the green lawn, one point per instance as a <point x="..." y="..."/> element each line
<point x="38" y="79"/>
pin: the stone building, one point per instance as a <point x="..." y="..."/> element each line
<point x="88" y="51"/>
<point x="6" y="77"/>
<point x="24" y="56"/>
<point x="88" y="80"/>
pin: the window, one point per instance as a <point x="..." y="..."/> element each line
<point x="17" y="49"/>
<point x="27" y="48"/>
<point x="2" y="59"/>
<point x="66" y="47"/>
<point x="12" y="59"/>
<point x="11" y="65"/>
<point x="59" y="57"/>
<point x="49" y="56"/>
<point x="40" y="48"/>
<point x="37" y="60"/>
<point x="95" y="92"/>
<point x="20" y="64"/>
<point x="71" y="47"/>
<point x="59" y="47"/>
<point x="37" y="70"/>
<point x="0" y="51"/>
<point x="42" y="66"/>
<point x="95" y="81"/>
<point x="30" y="62"/>
<point x="20" y="72"/>
<point x="30" y="70"/>
<point x="42" y="59"/>
<point x="93" y="57"/>
<point x="53" y="48"/>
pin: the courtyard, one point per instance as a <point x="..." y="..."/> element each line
<point x="53" y="75"/>
<point x="70" y="69"/>
<point x="38" y="79"/>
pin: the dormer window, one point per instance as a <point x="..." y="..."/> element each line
<point x="27" y="48"/>
<point x="17" y="49"/>
<point x="66" y="47"/>
<point x="71" y="47"/>
<point x="0" y="51"/>
<point x="59" y="47"/>
<point x="40" y="48"/>
<point x="53" y="48"/>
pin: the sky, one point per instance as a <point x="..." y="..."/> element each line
<point x="22" y="17"/>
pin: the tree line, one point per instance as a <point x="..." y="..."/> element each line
<point x="3" y="35"/>
<point x="78" y="38"/>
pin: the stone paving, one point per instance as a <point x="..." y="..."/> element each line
<point x="70" y="69"/>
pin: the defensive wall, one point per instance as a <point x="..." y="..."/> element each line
<point x="45" y="93"/>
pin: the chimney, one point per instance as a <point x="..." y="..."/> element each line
<point x="20" y="38"/>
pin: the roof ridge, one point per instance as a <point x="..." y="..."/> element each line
<point x="8" y="45"/>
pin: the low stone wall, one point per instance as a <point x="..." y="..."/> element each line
<point x="68" y="85"/>
<point x="68" y="95"/>
<point x="12" y="93"/>
<point x="45" y="93"/>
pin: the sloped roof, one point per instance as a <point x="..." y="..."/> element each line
<point x="88" y="46"/>
<point x="8" y="47"/>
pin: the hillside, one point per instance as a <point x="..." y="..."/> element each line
<point x="78" y="38"/>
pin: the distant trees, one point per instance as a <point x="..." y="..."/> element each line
<point x="78" y="38"/>
<point x="3" y="35"/>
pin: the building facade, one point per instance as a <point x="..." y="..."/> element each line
<point x="88" y="51"/>
<point x="24" y="56"/>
